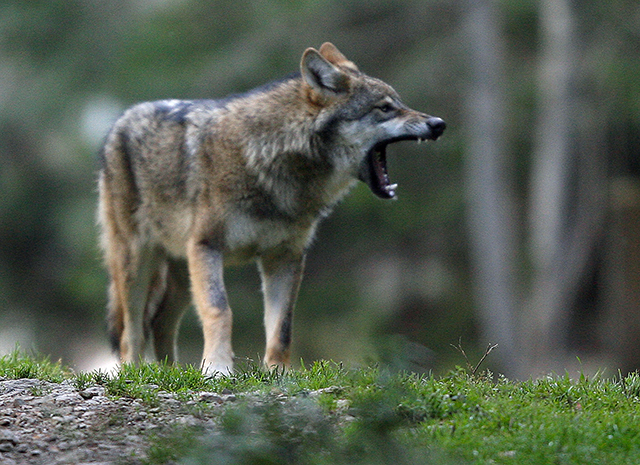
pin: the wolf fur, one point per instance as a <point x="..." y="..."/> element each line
<point x="228" y="181"/>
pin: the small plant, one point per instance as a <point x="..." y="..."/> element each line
<point x="473" y="370"/>
<point x="173" y="446"/>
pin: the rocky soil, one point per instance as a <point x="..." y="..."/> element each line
<point x="48" y="423"/>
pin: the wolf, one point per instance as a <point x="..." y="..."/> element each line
<point x="189" y="186"/>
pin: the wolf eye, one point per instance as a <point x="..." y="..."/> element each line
<point x="385" y="108"/>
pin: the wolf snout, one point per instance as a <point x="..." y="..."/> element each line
<point x="436" y="126"/>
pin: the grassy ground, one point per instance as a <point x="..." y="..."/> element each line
<point x="326" y="414"/>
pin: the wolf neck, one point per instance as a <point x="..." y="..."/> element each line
<point x="295" y="171"/>
<point x="277" y="122"/>
<point x="297" y="179"/>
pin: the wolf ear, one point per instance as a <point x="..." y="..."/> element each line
<point x="321" y="75"/>
<point x="333" y="55"/>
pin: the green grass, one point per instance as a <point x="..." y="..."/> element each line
<point x="373" y="416"/>
<point x="18" y="364"/>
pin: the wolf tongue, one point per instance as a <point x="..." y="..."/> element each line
<point x="379" y="162"/>
<point x="380" y="184"/>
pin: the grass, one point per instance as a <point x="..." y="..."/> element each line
<point x="18" y="364"/>
<point x="327" y="414"/>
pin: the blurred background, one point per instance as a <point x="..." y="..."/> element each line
<point x="520" y="227"/>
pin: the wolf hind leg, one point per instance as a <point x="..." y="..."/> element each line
<point x="281" y="277"/>
<point x="167" y="312"/>
<point x="131" y="268"/>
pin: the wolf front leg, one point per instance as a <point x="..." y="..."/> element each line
<point x="207" y="284"/>
<point x="281" y="277"/>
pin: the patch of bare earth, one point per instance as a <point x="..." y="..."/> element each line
<point x="49" y="423"/>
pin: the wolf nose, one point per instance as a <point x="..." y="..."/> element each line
<point x="437" y="126"/>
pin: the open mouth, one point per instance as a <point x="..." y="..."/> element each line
<point x="373" y="170"/>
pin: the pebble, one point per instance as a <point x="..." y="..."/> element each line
<point x="46" y="423"/>
<point x="91" y="392"/>
<point x="327" y="390"/>
<point x="6" y="446"/>
<point x="210" y="397"/>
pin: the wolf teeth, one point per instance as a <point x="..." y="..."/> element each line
<point x="391" y="189"/>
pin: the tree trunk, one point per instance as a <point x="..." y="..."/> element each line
<point x="490" y="212"/>
<point x="567" y="204"/>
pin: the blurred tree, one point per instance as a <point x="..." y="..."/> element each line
<point x="490" y="206"/>
<point x="554" y="277"/>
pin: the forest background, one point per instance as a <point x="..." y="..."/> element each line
<point x="520" y="227"/>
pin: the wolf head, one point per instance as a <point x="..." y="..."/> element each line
<point x="362" y="113"/>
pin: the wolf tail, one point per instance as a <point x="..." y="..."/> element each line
<point x="115" y="326"/>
